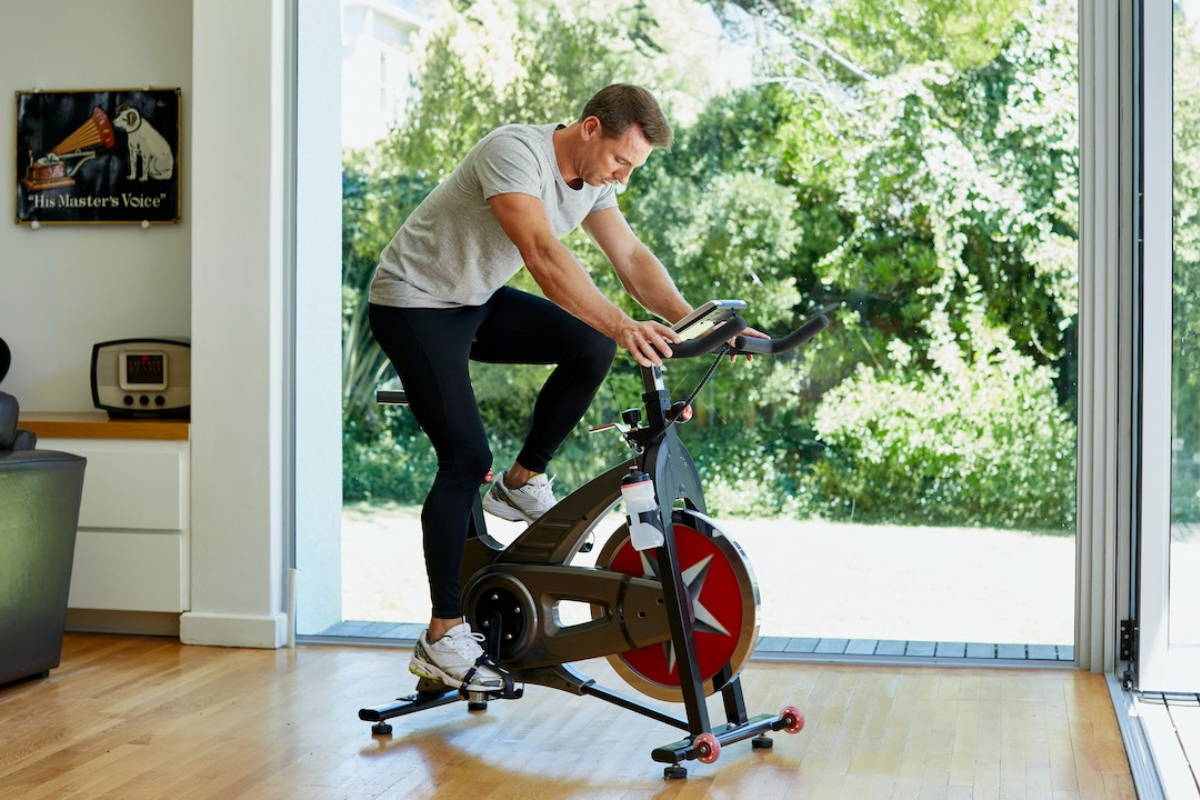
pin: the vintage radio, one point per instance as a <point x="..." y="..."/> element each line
<point x="143" y="378"/>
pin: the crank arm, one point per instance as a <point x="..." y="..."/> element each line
<point x="634" y="612"/>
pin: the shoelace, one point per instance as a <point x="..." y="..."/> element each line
<point x="461" y="646"/>
<point x="542" y="491"/>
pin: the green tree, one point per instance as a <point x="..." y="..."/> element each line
<point x="914" y="160"/>
<point x="1185" y="378"/>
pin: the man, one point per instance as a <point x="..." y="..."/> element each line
<point x="438" y="299"/>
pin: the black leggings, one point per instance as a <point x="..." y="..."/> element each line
<point x="429" y="347"/>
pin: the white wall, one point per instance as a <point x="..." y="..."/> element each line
<point x="64" y="288"/>
<point x="237" y="324"/>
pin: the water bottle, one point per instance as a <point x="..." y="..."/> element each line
<point x="637" y="492"/>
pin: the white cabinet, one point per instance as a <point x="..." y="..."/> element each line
<point x="134" y="543"/>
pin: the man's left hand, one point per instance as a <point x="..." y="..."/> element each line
<point x="746" y="332"/>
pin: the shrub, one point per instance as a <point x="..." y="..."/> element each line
<point x="977" y="440"/>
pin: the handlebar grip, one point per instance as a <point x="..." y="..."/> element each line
<point x="709" y="341"/>
<point x="756" y="346"/>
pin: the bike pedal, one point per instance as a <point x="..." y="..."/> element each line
<point x="484" y="697"/>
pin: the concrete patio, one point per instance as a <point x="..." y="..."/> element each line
<point x="817" y="580"/>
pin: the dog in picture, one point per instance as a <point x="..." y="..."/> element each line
<point x="144" y="141"/>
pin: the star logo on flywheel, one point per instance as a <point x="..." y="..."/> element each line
<point x="693" y="583"/>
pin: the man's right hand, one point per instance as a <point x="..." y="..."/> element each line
<point x="648" y="342"/>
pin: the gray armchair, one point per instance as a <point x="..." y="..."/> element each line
<point x="40" y="492"/>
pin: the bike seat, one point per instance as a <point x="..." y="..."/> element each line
<point x="391" y="397"/>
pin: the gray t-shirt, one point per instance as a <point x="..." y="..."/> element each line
<point x="451" y="251"/>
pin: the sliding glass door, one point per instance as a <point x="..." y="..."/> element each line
<point x="1169" y="589"/>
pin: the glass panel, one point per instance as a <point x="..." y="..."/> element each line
<point x="1184" y="625"/>
<point x="911" y="475"/>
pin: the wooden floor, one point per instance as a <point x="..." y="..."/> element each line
<point x="140" y="717"/>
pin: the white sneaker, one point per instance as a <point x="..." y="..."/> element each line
<point x="526" y="504"/>
<point x="457" y="660"/>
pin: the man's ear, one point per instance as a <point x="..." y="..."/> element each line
<point x="591" y="127"/>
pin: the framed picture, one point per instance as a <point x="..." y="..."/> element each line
<point x="103" y="155"/>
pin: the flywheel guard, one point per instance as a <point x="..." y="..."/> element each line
<point x="724" y="596"/>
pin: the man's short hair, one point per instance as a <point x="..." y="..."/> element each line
<point x="620" y="105"/>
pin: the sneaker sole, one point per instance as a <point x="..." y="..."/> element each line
<point x="503" y="508"/>
<point x="423" y="669"/>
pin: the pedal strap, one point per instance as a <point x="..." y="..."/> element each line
<point x="485" y="660"/>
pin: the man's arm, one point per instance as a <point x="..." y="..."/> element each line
<point x="642" y="274"/>
<point x="640" y="271"/>
<point x="568" y="284"/>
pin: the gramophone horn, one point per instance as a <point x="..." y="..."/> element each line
<point x="96" y="131"/>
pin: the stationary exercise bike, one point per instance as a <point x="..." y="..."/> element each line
<point x="677" y="621"/>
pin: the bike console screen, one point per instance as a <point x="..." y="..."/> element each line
<point x="706" y="317"/>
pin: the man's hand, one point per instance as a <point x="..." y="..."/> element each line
<point x="648" y="342"/>
<point x="746" y="332"/>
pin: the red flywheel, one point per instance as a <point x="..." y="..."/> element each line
<point x="724" y="596"/>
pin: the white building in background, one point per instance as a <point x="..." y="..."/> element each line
<point x="377" y="64"/>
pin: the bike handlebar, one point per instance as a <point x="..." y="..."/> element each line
<point x="751" y="345"/>
<point x="709" y="341"/>
<point x="811" y="327"/>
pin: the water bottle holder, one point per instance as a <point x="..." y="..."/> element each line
<point x="649" y="518"/>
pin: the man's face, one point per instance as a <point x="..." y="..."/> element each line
<point x="611" y="159"/>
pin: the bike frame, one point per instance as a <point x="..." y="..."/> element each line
<point x="554" y="540"/>
<point x="539" y="561"/>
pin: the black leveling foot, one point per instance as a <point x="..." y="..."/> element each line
<point x="674" y="772"/>
<point x="762" y="742"/>
<point x="381" y="729"/>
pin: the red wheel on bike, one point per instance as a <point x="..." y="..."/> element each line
<point x="721" y="588"/>
<point x="708" y="749"/>
<point x="792" y="718"/>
